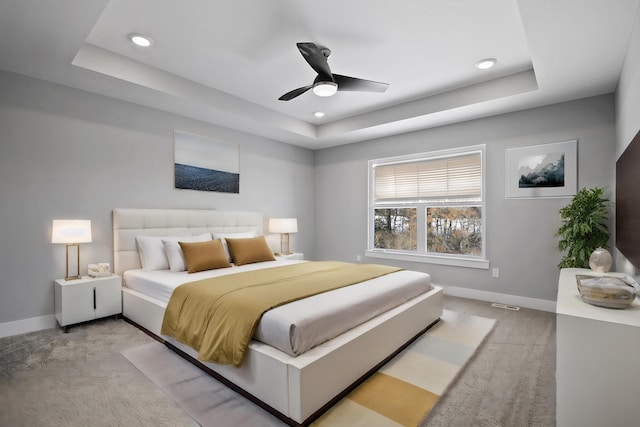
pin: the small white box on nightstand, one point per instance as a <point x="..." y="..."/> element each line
<point x="87" y="299"/>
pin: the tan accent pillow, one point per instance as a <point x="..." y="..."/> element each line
<point x="249" y="250"/>
<point x="200" y="256"/>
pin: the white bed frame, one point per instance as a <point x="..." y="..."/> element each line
<point x="296" y="389"/>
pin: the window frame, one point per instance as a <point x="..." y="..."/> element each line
<point x="421" y="254"/>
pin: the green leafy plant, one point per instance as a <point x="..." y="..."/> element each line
<point x="584" y="227"/>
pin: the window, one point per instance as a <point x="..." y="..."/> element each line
<point x="429" y="207"/>
<point x="395" y="228"/>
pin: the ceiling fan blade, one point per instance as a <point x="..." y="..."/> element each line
<point x="346" y="83"/>
<point x="294" y="93"/>
<point x="317" y="59"/>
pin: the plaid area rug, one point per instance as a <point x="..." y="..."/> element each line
<point x="401" y="393"/>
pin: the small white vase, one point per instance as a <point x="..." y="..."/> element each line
<point x="600" y="260"/>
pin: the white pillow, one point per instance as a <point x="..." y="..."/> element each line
<point x="174" y="252"/>
<point x="222" y="236"/>
<point x="151" y="251"/>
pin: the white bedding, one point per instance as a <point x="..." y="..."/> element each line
<point x="301" y="325"/>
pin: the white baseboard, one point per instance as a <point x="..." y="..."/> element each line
<point x="526" y="302"/>
<point x="23" y="326"/>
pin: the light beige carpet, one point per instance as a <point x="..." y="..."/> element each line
<point x="50" y="378"/>
<point x="401" y="393"/>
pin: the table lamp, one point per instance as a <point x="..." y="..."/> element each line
<point x="284" y="226"/>
<point x="71" y="232"/>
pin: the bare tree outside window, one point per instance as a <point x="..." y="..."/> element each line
<point x="395" y="229"/>
<point x="454" y="230"/>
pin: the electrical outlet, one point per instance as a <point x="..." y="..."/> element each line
<point x="495" y="272"/>
<point x="358" y="257"/>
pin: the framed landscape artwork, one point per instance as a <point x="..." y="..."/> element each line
<point x="204" y="164"/>
<point x="545" y="170"/>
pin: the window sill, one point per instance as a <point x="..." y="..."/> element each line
<point x="431" y="259"/>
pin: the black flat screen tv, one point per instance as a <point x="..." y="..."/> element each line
<point x="628" y="202"/>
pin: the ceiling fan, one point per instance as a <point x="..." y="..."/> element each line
<point x="327" y="83"/>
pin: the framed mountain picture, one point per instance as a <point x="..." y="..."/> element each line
<point x="545" y="170"/>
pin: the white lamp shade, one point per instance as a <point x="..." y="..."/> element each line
<point x="71" y="231"/>
<point x="283" y="225"/>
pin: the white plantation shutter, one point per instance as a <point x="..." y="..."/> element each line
<point x="449" y="178"/>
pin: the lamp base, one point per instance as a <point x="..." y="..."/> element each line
<point x="284" y="242"/>
<point x="77" y="276"/>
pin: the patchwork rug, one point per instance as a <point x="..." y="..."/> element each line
<point x="401" y="393"/>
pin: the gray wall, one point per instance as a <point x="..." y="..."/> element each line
<point x="69" y="154"/>
<point x="65" y="153"/>
<point x="520" y="234"/>
<point x="628" y="114"/>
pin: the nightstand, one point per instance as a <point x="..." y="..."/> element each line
<point x="87" y="298"/>
<point x="295" y="255"/>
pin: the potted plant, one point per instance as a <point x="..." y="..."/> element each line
<point x="584" y="227"/>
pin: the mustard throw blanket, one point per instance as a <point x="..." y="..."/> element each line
<point x="218" y="316"/>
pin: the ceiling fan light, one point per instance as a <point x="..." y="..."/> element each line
<point x="325" y="88"/>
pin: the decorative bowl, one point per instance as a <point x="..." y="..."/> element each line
<point x="606" y="291"/>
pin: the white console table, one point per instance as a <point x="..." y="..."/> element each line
<point x="598" y="360"/>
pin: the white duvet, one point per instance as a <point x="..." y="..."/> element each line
<point x="301" y="325"/>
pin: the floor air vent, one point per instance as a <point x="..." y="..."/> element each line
<point x="505" y="306"/>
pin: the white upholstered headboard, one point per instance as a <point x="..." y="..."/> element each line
<point x="129" y="223"/>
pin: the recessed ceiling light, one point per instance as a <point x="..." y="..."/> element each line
<point x="485" y="64"/>
<point x="318" y="114"/>
<point x="140" y="40"/>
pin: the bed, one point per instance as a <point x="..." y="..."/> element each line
<point x="296" y="385"/>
